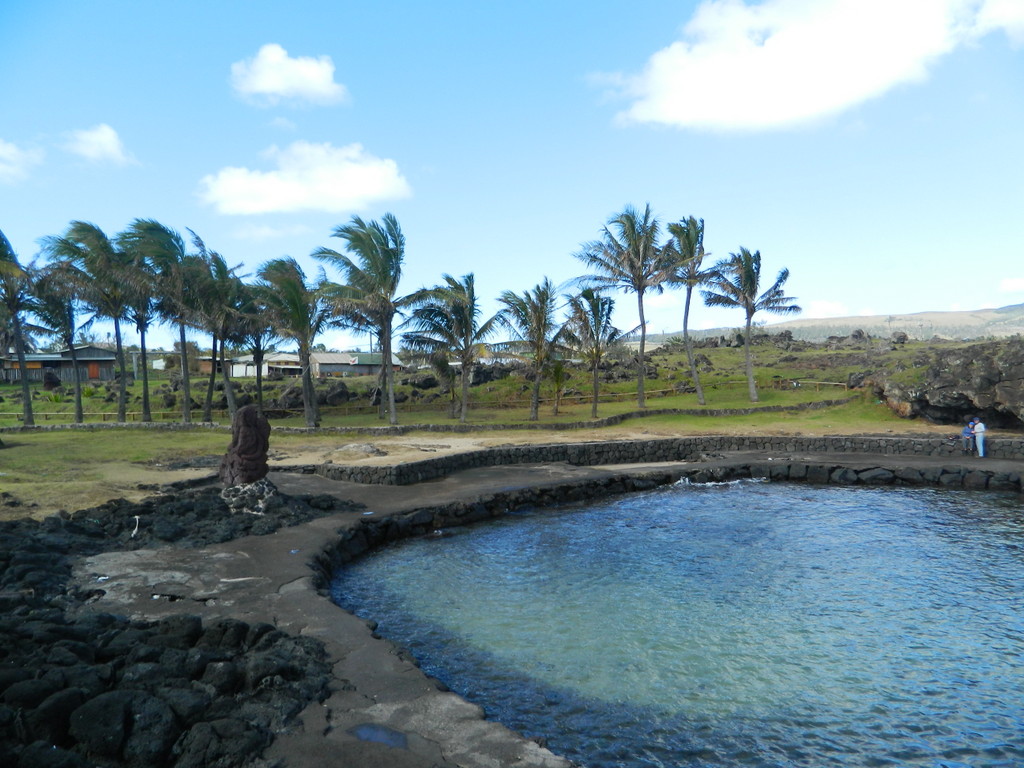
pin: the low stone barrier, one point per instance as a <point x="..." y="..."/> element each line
<point x="370" y="534"/>
<point x="655" y="450"/>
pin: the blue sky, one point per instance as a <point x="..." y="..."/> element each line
<point x="873" y="147"/>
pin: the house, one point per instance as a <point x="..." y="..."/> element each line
<point x="94" y="364"/>
<point x="324" y="364"/>
<point x="284" y="363"/>
<point x="205" y="363"/>
<point x="349" y="363"/>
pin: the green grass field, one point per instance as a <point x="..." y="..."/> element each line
<point x="501" y="401"/>
<point x="74" y="469"/>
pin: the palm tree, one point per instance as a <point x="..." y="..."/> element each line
<point x="57" y="293"/>
<point x="530" y="317"/>
<point x="176" y="273"/>
<point x="16" y="300"/>
<point x="628" y="258"/>
<point x="687" y="252"/>
<point x="107" y="290"/>
<point x="589" y="332"/>
<point x="446" y="321"/>
<point x="447" y="375"/>
<point x="558" y="372"/>
<point x="255" y="331"/>
<point x="142" y="309"/>
<point x="219" y="297"/>
<point x="299" y="311"/>
<point x="735" y="283"/>
<point x="368" y="300"/>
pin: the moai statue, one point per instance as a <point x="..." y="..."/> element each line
<point x="246" y="459"/>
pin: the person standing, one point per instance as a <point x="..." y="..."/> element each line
<point x="967" y="437"/>
<point x="979" y="436"/>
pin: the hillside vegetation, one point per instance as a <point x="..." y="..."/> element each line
<point x="866" y="387"/>
<point x="789" y="373"/>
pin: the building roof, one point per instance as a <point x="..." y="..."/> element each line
<point x="65" y="354"/>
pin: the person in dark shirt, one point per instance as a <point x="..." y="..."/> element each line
<point x="967" y="438"/>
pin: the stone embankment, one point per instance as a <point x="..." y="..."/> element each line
<point x="229" y="642"/>
<point x="852" y="469"/>
<point x="657" y="450"/>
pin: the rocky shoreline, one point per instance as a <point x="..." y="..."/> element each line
<point x="82" y="689"/>
<point x="193" y="684"/>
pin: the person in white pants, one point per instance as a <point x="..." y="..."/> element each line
<point x="979" y="436"/>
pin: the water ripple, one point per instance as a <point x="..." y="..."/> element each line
<point x="747" y="624"/>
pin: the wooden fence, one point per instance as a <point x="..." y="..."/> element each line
<point x="439" y="405"/>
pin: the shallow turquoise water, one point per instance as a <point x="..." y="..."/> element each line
<point x="748" y="624"/>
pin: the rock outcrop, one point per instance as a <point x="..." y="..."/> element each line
<point x="986" y="380"/>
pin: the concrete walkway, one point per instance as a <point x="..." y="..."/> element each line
<point x="382" y="711"/>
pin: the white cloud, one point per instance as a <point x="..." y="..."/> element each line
<point x="309" y="177"/>
<point x="1011" y="285"/>
<point x="1007" y="15"/>
<point x="99" y="145"/>
<point x="273" y="76"/>
<point x="786" y="62"/>
<point x="15" y="162"/>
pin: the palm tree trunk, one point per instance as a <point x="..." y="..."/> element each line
<point x="750" y="363"/>
<point x="257" y="358"/>
<point x="122" y="390"/>
<point x="382" y="394"/>
<point x="392" y="409"/>
<point x="77" y="376"/>
<point x="389" y="376"/>
<point x="27" y="419"/>
<point x="453" y="407"/>
<point x="147" y="414"/>
<point x="309" y="405"/>
<point x="186" y="388"/>
<point x="535" y="396"/>
<point x="689" y="347"/>
<point x="208" y="403"/>
<point x="597" y="390"/>
<point x="465" y="392"/>
<point x="641" y="375"/>
<point x="229" y="391"/>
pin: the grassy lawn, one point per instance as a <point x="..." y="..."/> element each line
<point x="498" y="401"/>
<point x="75" y="469"/>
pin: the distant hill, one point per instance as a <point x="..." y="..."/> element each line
<point x="975" y="324"/>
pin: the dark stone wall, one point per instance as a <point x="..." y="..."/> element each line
<point x="657" y="450"/>
<point x="369" y="534"/>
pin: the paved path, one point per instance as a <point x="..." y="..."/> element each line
<point x="383" y="711"/>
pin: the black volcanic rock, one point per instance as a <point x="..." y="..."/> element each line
<point x="97" y="689"/>
<point x="984" y="380"/>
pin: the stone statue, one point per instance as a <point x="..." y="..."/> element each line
<point x="246" y="459"/>
<point x="51" y="380"/>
